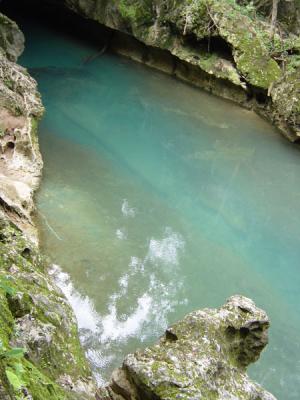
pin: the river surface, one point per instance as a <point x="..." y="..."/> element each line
<point x="159" y="199"/>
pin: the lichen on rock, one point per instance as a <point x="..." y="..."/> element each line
<point x="204" y="356"/>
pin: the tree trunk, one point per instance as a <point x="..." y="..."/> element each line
<point x="274" y="17"/>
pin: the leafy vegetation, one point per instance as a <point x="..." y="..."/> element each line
<point x="4" y="285"/>
<point x="13" y="367"/>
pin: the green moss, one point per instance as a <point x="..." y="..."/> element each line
<point x="38" y="384"/>
<point x="251" y="54"/>
<point x="292" y="64"/>
<point x="35" y="303"/>
<point x="6" y="318"/>
<point x="34" y="131"/>
<point x="239" y="27"/>
<point x="127" y="11"/>
<point x="259" y="69"/>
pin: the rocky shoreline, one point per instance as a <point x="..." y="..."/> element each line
<point x="40" y="353"/>
<point x="220" y="46"/>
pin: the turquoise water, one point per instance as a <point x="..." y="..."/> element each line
<point x="159" y="199"/>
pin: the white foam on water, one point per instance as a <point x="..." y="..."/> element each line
<point x="87" y="317"/>
<point x="123" y="281"/>
<point x="153" y="304"/>
<point x="121" y="234"/>
<point x="114" y="329"/>
<point x="136" y="265"/>
<point x="140" y="313"/>
<point x="127" y="211"/>
<point x="166" y="249"/>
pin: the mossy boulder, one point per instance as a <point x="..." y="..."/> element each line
<point x="204" y="356"/>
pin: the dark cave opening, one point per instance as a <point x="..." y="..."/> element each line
<point x="56" y="16"/>
<point x="211" y="44"/>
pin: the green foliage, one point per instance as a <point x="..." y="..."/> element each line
<point x="136" y="12"/>
<point x="4" y="285"/>
<point x="15" y="353"/>
<point x="14" y="379"/>
<point x="13" y="366"/>
<point x="128" y="12"/>
<point x="293" y="63"/>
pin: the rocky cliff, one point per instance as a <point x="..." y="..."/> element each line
<point x="20" y="109"/>
<point x="40" y="354"/>
<point x="204" y="356"/>
<point x="220" y="45"/>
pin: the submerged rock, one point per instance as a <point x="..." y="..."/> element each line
<point x="204" y="356"/>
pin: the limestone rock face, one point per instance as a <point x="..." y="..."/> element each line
<point x="204" y="356"/>
<point x="20" y="109"/>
